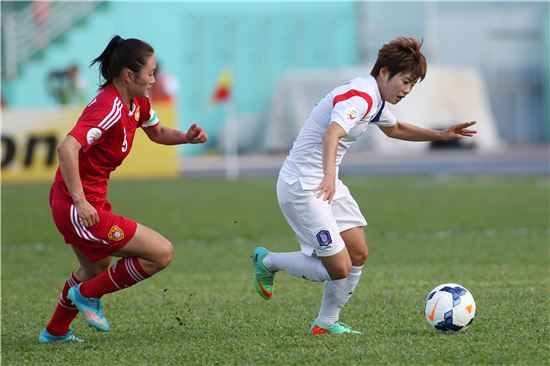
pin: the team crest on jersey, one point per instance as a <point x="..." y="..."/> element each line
<point x="351" y="113"/>
<point x="116" y="233"/>
<point x="323" y="237"/>
<point x="136" y="113"/>
<point x="93" y="135"/>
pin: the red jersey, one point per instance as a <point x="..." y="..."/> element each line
<point x="106" y="132"/>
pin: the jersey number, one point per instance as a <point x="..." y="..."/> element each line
<point x="125" y="142"/>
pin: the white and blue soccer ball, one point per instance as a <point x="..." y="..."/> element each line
<point x="450" y="308"/>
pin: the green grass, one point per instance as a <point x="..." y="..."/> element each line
<point x="488" y="234"/>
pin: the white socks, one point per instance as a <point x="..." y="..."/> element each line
<point x="297" y="264"/>
<point x="336" y="295"/>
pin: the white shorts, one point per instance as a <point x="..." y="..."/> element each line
<point x="316" y="223"/>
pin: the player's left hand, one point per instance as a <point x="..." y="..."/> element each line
<point x="196" y="135"/>
<point x="460" y="130"/>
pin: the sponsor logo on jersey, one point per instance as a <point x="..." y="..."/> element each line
<point x="93" y="135"/>
<point x="116" y="233"/>
<point x="323" y="237"/>
<point x="351" y="113"/>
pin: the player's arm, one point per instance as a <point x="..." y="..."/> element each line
<point x="410" y="132"/>
<point x="327" y="187"/>
<point x="170" y="136"/>
<point x="68" y="151"/>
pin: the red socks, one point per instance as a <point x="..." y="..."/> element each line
<point x="65" y="311"/>
<point x="124" y="273"/>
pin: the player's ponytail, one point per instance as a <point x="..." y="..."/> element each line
<point x="122" y="53"/>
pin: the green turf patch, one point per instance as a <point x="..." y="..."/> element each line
<point x="489" y="234"/>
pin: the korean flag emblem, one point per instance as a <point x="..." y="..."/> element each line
<point x="323" y="237"/>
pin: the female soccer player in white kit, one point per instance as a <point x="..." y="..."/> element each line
<point x="317" y="205"/>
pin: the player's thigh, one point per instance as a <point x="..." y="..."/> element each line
<point x="311" y="219"/>
<point x="351" y="223"/>
<point x="147" y="244"/>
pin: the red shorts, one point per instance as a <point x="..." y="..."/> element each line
<point x="109" y="235"/>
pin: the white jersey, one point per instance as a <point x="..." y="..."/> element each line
<point x="353" y="106"/>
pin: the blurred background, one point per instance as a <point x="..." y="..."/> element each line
<point x="250" y="72"/>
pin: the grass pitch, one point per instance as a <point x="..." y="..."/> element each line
<point x="490" y="235"/>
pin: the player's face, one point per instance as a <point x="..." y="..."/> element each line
<point x="145" y="78"/>
<point x="396" y="88"/>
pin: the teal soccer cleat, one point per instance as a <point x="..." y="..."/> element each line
<point x="335" y="328"/>
<point x="263" y="278"/>
<point x="46" y="337"/>
<point x="90" y="308"/>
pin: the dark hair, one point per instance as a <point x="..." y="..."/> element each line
<point x="120" y="53"/>
<point x="401" y="55"/>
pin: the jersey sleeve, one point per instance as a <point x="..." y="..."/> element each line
<point x="350" y="107"/>
<point x="386" y="119"/>
<point x="149" y="117"/>
<point x="96" y="121"/>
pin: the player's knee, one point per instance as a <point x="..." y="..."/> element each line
<point x="165" y="254"/>
<point x="359" y="257"/>
<point x="340" y="271"/>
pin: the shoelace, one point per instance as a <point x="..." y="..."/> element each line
<point x="268" y="278"/>
<point x="344" y="325"/>
<point x="72" y="337"/>
<point x="97" y="305"/>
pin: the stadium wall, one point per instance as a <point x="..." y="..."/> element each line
<point x="196" y="41"/>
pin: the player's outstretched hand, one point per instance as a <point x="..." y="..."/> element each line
<point x="196" y="135"/>
<point x="460" y="130"/>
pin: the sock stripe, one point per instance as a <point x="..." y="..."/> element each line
<point x="72" y="280"/>
<point x="65" y="306"/>
<point x="132" y="271"/>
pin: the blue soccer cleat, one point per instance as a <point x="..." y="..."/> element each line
<point x="47" y="337"/>
<point x="90" y="308"/>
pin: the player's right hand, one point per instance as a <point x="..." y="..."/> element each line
<point x="87" y="213"/>
<point x="326" y="189"/>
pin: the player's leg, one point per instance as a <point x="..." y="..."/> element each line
<point x="298" y="264"/>
<point x="146" y="253"/>
<point x="351" y="224"/>
<point x="316" y="230"/>
<point x="337" y="293"/>
<point x="57" y="329"/>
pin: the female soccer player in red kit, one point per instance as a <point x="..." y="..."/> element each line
<point x="97" y="145"/>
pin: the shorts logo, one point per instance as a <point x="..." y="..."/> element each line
<point x="351" y="113"/>
<point x="93" y="135"/>
<point x="323" y="237"/>
<point x="116" y="233"/>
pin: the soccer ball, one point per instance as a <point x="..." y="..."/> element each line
<point x="450" y="308"/>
